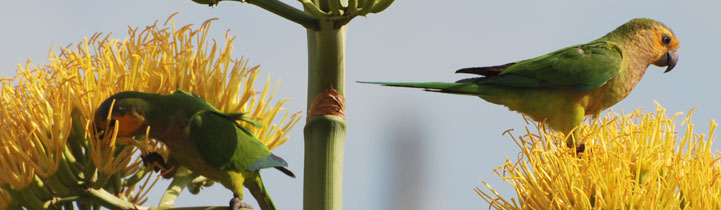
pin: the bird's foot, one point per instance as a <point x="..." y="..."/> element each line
<point x="157" y="163"/>
<point x="236" y="204"/>
<point x="580" y="148"/>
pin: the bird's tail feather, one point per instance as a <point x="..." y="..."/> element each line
<point x="442" y="87"/>
<point x="285" y="171"/>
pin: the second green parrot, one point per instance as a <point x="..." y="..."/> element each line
<point x="199" y="137"/>
<point x="563" y="86"/>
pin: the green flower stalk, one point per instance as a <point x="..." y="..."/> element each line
<point x="50" y="153"/>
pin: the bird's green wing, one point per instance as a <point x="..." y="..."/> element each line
<point x="242" y="117"/>
<point x="207" y="106"/>
<point x="583" y="67"/>
<point x="225" y="145"/>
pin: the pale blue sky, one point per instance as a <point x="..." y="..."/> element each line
<point x="406" y="149"/>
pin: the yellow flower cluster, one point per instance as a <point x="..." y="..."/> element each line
<point x="47" y="140"/>
<point x="634" y="161"/>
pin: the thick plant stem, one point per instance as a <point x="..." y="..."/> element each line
<point x="325" y="127"/>
<point x="326" y="60"/>
<point x="322" y="184"/>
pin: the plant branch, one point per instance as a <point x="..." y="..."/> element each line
<point x="288" y="12"/>
<point x="109" y="200"/>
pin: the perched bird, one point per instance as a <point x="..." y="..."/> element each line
<point x="199" y="136"/>
<point x="563" y="86"/>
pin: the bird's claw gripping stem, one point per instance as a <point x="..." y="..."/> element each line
<point x="236" y="204"/>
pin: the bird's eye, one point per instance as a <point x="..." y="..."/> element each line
<point x="665" y="39"/>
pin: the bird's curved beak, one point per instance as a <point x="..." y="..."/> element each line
<point x="668" y="59"/>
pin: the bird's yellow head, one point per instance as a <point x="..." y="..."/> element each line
<point x="666" y="46"/>
<point x="649" y="38"/>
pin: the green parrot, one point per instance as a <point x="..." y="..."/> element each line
<point x="199" y="137"/>
<point x="564" y="86"/>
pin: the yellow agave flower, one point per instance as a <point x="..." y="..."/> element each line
<point x="634" y="161"/>
<point x="48" y="143"/>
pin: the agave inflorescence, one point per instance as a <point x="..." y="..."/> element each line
<point x="49" y="153"/>
<point x="633" y="161"/>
